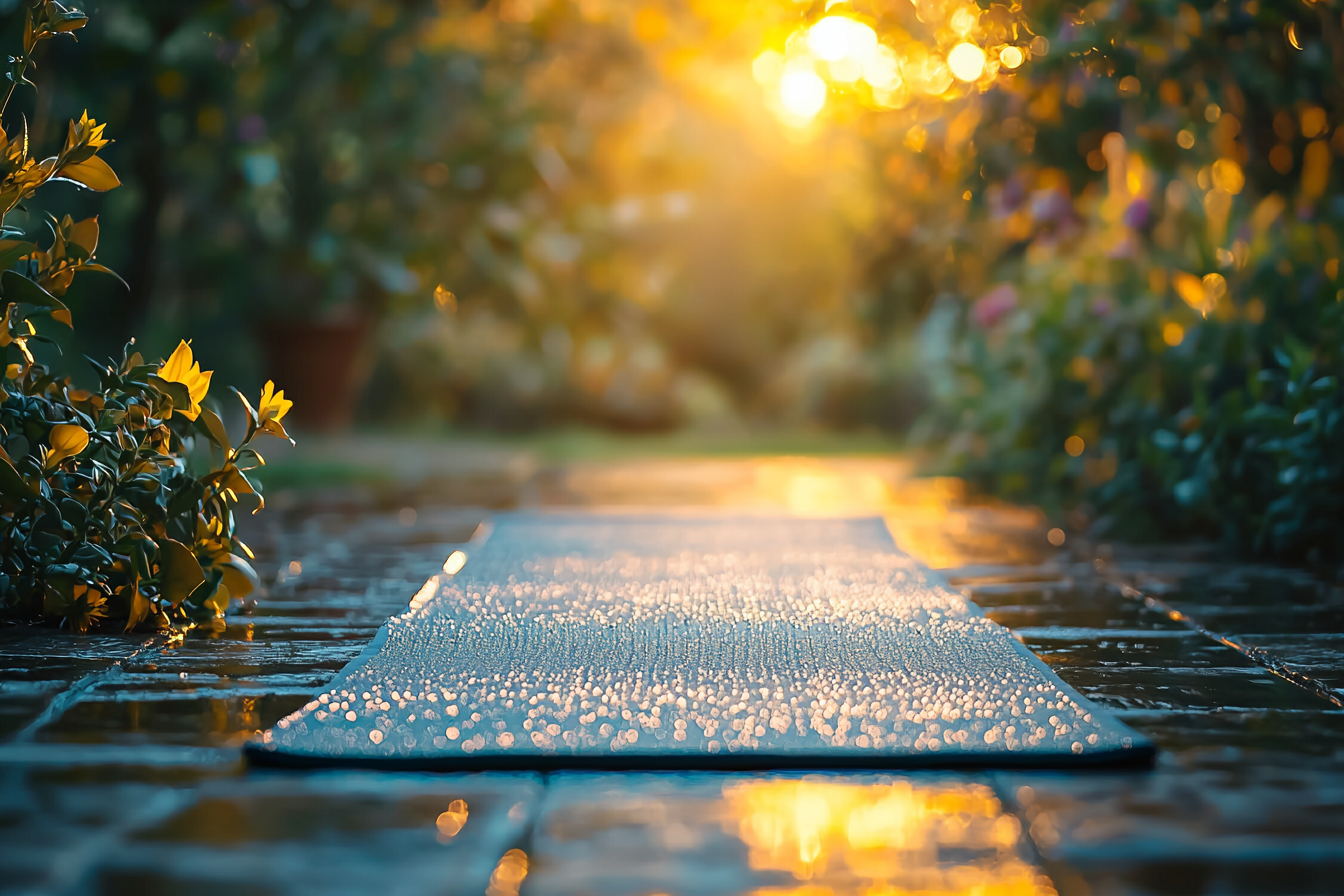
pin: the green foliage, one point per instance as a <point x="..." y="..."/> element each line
<point x="1162" y="233"/>
<point x="628" y="245"/>
<point x="101" y="516"/>
<point x="622" y="232"/>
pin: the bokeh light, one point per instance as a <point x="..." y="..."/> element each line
<point x="838" y="37"/>
<point x="967" y="61"/>
<point x="802" y="92"/>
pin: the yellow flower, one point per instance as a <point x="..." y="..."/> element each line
<point x="67" y="440"/>
<point x="273" y="405"/>
<point x="272" y="409"/>
<point x="182" y="368"/>
<point x="85" y="132"/>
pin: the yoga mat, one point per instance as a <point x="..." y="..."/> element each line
<point x="622" y="641"/>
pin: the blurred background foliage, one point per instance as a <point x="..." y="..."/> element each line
<point x="1157" y="340"/>
<point x="1104" y="278"/>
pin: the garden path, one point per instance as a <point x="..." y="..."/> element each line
<point x="120" y="770"/>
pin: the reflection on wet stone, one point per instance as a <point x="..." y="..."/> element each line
<point x="722" y="834"/>
<point x="320" y="833"/>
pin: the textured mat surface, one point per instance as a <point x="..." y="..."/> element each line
<point x="675" y="642"/>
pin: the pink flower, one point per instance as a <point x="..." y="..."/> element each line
<point x="990" y="308"/>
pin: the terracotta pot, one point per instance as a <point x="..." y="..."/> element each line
<point x="319" y="365"/>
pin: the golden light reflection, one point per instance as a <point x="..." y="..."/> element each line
<point x="449" y="823"/>
<point x="508" y="874"/>
<point x="930" y="518"/>
<point x="892" y="838"/>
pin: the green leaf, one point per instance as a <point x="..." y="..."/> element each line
<point x="93" y="173"/>
<point x="104" y="269"/>
<point x="12" y="250"/>
<point x="56" y="596"/>
<point x="179" y="572"/>
<point x="68" y="20"/>
<point x="91" y="555"/>
<point x="12" y="485"/>
<point x="239" y="576"/>
<point x="17" y="288"/>
<point x="181" y="398"/>
<point x="233" y="478"/>
<point x="186" y="498"/>
<point x="219" y="601"/>
<point x="139" y="609"/>
<point x="209" y="425"/>
<point x="202" y="593"/>
<point x="247" y="409"/>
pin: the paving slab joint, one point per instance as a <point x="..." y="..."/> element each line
<point x="1258" y="655"/>
<point x="71" y="695"/>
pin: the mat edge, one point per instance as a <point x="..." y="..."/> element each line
<point x="1138" y="757"/>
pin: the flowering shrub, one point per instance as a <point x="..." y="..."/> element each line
<point x="1156" y="337"/>
<point x="102" y="517"/>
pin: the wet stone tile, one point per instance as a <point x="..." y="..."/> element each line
<point x="330" y="833"/>
<point x="1250" y="600"/>
<point x="1152" y="662"/>
<point x="1063" y="646"/>
<point x="1072" y="607"/>
<point x="1179" y="689"/>
<point x="38" y="665"/>
<point x="56" y="822"/>
<point x="196" y="721"/>
<point x="1310" y="732"/>
<point x="23" y="701"/>
<point x="261" y="656"/>
<point x="1205" y="821"/>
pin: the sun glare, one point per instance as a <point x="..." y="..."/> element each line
<point x="967" y="61"/>
<point x="767" y="67"/>
<point x="802" y="92"/>
<point x="841" y="58"/>
<point x="882" y="69"/>
<point x="838" y="37"/>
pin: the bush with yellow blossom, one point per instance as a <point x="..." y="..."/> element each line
<point x="103" y="520"/>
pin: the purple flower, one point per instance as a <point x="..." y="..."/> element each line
<point x="1102" y="307"/>
<point x="1051" y="205"/>
<point x="252" y="129"/>
<point x="1137" y="214"/>
<point x="1008" y="199"/>
<point x="990" y="308"/>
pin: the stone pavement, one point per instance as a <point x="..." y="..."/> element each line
<point x="119" y="767"/>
